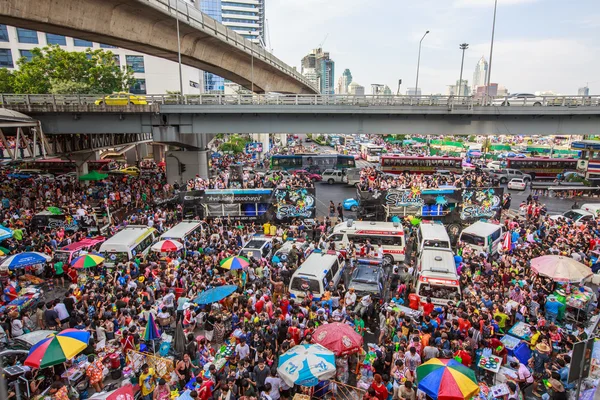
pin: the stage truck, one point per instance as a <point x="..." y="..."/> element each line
<point x="454" y="207"/>
<point x="273" y="205"/>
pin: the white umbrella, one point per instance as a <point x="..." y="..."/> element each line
<point x="167" y="246"/>
<point x="561" y="269"/>
<point x="306" y="365"/>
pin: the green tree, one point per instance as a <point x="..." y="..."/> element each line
<point x="54" y="70"/>
<point x="6" y="81"/>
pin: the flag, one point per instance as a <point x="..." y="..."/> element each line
<point x="506" y="244"/>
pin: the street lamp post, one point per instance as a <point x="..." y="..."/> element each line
<point x="463" y="47"/>
<point x="179" y="48"/>
<point x="419" y="62"/>
<point x="489" y="73"/>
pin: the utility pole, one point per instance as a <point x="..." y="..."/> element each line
<point x="179" y="48"/>
<point x="463" y="47"/>
<point x="489" y="73"/>
<point x="419" y="63"/>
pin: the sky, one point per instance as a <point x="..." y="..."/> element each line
<point x="539" y="45"/>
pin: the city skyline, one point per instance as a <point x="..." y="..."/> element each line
<point x="525" y="60"/>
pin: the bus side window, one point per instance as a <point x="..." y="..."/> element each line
<point x="334" y="268"/>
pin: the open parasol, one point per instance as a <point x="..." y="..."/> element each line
<point x="561" y="269"/>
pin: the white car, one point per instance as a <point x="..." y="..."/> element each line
<point x="519" y="99"/>
<point x="517" y="184"/>
<point x="578" y="216"/>
<point x="69" y="177"/>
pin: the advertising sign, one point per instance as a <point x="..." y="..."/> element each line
<point x="481" y="203"/>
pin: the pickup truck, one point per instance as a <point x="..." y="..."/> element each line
<point x="505" y="175"/>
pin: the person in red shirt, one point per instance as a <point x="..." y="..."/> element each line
<point x="381" y="391"/>
<point x="464" y="355"/>
<point x="464" y="324"/>
<point x="284" y="304"/>
<point x="413" y="300"/>
<point x="258" y="306"/>
<point x="294" y="332"/>
<point x="428" y="307"/>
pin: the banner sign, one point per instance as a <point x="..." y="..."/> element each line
<point x="295" y="203"/>
<point x="481" y="203"/>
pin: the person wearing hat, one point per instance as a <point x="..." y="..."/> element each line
<point x="540" y="360"/>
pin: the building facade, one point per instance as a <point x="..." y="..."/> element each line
<point x="583" y="91"/>
<point x="343" y="82"/>
<point x="355" y="89"/>
<point x="153" y="75"/>
<point x="480" y="74"/>
<point x="324" y="66"/>
<point x="459" y="89"/>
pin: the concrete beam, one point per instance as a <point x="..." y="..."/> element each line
<point x="149" y="26"/>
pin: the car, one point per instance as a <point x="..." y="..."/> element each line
<point x="295" y="136"/>
<point x="43" y="177"/>
<point x="284" y="250"/>
<point x="368" y="278"/>
<point x="506" y="175"/>
<point x="351" y="204"/>
<point x="578" y="216"/>
<point x="257" y="248"/>
<point x="308" y="139"/>
<point x="28" y="340"/>
<point x="69" y="177"/>
<point x="355" y="154"/>
<point x="121" y="99"/>
<point x="133" y="171"/>
<point x="311" y="175"/>
<point x="519" y="99"/>
<point x="517" y="184"/>
<point x="332" y="176"/>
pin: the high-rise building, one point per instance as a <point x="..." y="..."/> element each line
<point x="379" y="89"/>
<point x="311" y="75"/>
<point x="583" y="91"/>
<point x="459" y="89"/>
<point x="343" y="82"/>
<point x="324" y="67"/>
<point x="480" y="74"/>
<point x="355" y="89"/>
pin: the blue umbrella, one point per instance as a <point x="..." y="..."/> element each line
<point x="215" y="294"/>
<point x="5" y="233"/>
<point x="306" y="365"/>
<point x="24" y="260"/>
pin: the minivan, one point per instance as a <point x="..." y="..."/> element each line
<point x="433" y="235"/>
<point x="437" y="278"/>
<point x="592" y="207"/>
<point x="482" y="236"/>
<point x="315" y="273"/>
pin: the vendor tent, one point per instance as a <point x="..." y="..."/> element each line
<point x="93" y="176"/>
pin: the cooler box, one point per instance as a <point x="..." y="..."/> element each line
<point x="521" y="352"/>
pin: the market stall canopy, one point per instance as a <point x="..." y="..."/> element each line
<point x="93" y="176"/>
<point x="23" y="260"/>
<point x="561" y="269"/>
<point x="339" y="338"/>
<point x="57" y="348"/>
<point x="306" y="365"/>
<point x="446" y="379"/>
<point x="215" y="294"/>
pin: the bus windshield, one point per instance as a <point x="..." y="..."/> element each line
<point x="375" y="151"/>
<point x="470" y="238"/>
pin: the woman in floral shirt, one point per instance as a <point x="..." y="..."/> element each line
<point x="94" y="373"/>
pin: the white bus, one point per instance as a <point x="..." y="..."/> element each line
<point x="370" y="152"/>
<point x="389" y="234"/>
<point x="437" y="278"/>
<point x="126" y="244"/>
<point x="182" y="230"/>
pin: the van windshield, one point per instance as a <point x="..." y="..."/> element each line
<point x="470" y="238"/>
<point x="439" y="292"/>
<point x="440" y="244"/>
<point x="302" y="284"/>
<point x="116" y="257"/>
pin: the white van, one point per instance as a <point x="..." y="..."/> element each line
<point x="315" y="273"/>
<point x="433" y="235"/>
<point x="182" y="230"/>
<point x="389" y="234"/>
<point x="128" y="243"/>
<point x="482" y="236"/>
<point x="592" y="207"/>
<point x="437" y="277"/>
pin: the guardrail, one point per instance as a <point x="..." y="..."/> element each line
<point x="450" y="102"/>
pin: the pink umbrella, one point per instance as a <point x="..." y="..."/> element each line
<point x="561" y="269"/>
<point x="166" y="246"/>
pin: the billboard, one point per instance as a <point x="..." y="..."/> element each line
<point x="480" y="203"/>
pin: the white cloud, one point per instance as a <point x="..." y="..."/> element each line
<point x="488" y="3"/>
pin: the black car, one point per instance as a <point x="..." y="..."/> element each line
<point x="368" y="278"/>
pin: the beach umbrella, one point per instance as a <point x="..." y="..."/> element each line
<point x="151" y="331"/>
<point x="5" y="233"/>
<point x="561" y="269"/>
<point x="23" y="260"/>
<point x="446" y="380"/>
<point x="340" y="338"/>
<point x="54" y="210"/>
<point x="306" y="365"/>
<point x="93" y="176"/>
<point x="215" y="294"/>
<point x="4" y="251"/>
<point x="57" y="348"/>
<point x="166" y="246"/>
<point x="87" y="261"/>
<point x="235" y="262"/>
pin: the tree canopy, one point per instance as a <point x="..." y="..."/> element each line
<point x="54" y="70"/>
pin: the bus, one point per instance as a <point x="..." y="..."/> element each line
<point x="102" y="165"/>
<point x="127" y="244"/>
<point x="589" y="164"/>
<point x="542" y="167"/>
<point x="420" y="164"/>
<point x="313" y="162"/>
<point x="54" y="166"/>
<point x="370" y="152"/>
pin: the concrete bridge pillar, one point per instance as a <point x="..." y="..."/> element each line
<point x="81" y="160"/>
<point x="185" y="165"/>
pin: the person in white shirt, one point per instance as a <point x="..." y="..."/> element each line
<point x="350" y="298"/>
<point x="242" y="350"/>
<point x="63" y="314"/>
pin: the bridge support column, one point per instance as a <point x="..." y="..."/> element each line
<point x="81" y="160"/>
<point x="193" y="162"/>
<point x="158" y="152"/>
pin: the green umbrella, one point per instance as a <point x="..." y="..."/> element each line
<point x="54" y="210"/>
<point x="93" y="176"/>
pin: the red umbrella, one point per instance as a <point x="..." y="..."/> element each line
<point x="339" y="338"/>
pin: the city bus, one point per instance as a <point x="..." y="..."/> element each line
<point x="589" y="164"/>
<point x="312" y="162"/>
<point x="420" y="164"/>
<point x="370" y="152"/>
<point x="54" y="166"/>
<point x="542" y="167"/>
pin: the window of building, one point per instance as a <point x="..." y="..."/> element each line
<point x="107" y="46"/>
<point x="3" y="33"/>
<point x="239" y="12"/>
<point x="230" y="3"/>
<point x="27" y="54"/>
<point x="6" y="60"/>
<point x="239" y="20"/>
<point x="139" y="87"/>
<point x="136" y="63"/>
<point x="60" y="40"/>
<point x="27" y="36"/>
<point x="117" y="59"/>
<point x="82" y="43"/>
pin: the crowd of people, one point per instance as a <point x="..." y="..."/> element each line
<point x="498" y="290"/>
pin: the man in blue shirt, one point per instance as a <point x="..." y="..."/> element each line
<point x="552" y="308"/>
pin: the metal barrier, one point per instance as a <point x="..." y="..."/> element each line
<point x="453" y="103"/>
<point x="338" y="390"/>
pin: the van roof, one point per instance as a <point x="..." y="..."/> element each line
<point x="128" y="236"/>
<point x="181" y="230"/>
<point x="370" y="227"/>
<point x="432" y="230"/>
<point x="591" y="206"/>
<point x="316" y="265"/>
<point x="87" y="242"/>
<point x="438" y="262"/>
<point x="481" y="228"/>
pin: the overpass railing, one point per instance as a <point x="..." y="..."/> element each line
<point x="451" y="102"/>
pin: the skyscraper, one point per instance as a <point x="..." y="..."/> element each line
<point x="583" y="91"/>
<point x="324" y="67"/>
<point x="246" y="17"/>
<point x="480" y="74"/>
<point x="344" y="81"/>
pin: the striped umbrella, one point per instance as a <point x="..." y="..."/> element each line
<point x="166" y="246"/>
<point x="87" y="261"/>
<point x="57" y="348"/>
<point x="4" y="251"/>
<point x="151" y="331"/>
<point x="235" y="262"/>
<point x="446" y="380"/>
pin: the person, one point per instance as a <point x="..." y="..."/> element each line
<point x="331" y="208"/>
<point x="407" y="392"/>
<point x="162" y="391"/>
<point x="184" y="370"/>
<point x="524" y="377"/>
<point x="513" y="394"/>
<point x="261" y="372"/>
<point x="412" y="360"/>
<point x="147" y="382"/>
<point x="59" y="391"/>
<point x="381" y="391"/>
<point x="51" y="320"/>
<point x="275" y="382"/>
<point x="340" y="211"/>
<point x="94" y="373"/>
